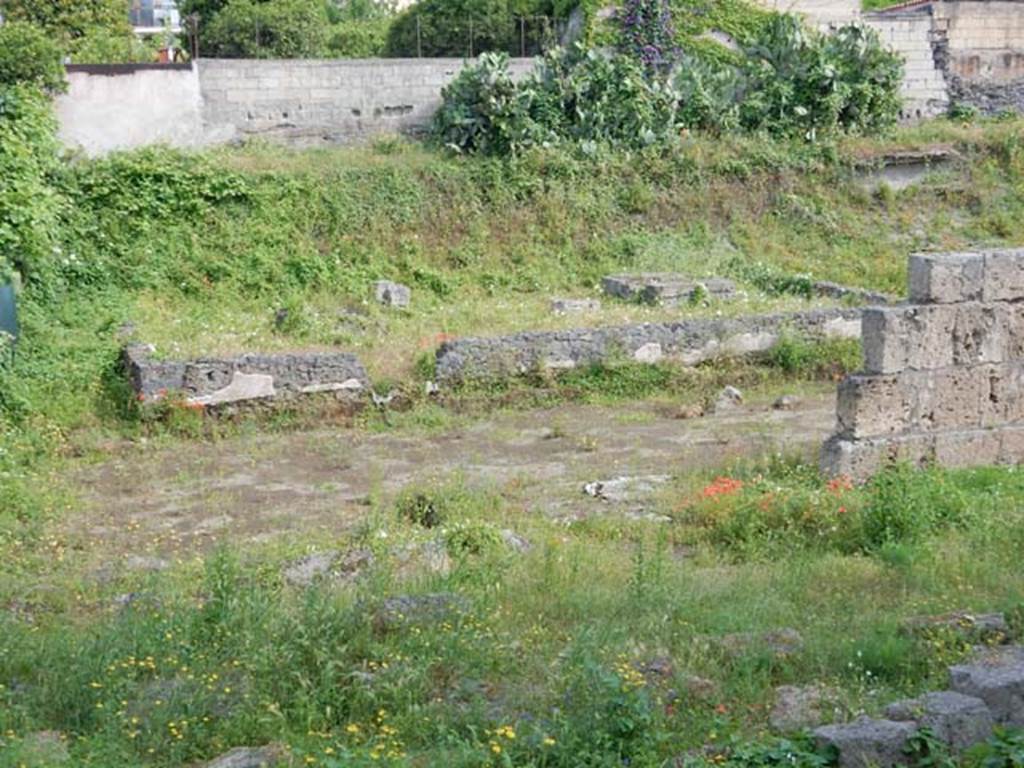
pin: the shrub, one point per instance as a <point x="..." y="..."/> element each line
<point x="29" y="206"/>
<point x="802" y="82"/>
<point x="267" y="30"/>
<point x="359" y="39"/>
<point x="647" y="32"/>
<point x="580" y="96"/>
<point x="792" y="81"/>
<point x="68" y="20"/>
<point x="28" y="56"/>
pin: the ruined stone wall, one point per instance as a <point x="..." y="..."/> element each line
<point x="686" y="341"/>
<point x="985" y="50"/>
<point x="219" y="381"/>
<point x="912" y="35"/>
<point x="943" y="377"/>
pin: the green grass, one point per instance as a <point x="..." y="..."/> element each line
<point x="199" y="251"/>
<point x="549" y="645"/>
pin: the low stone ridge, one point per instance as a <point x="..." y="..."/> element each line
<point x="412" y="610"/>
<point x="942" y="379"/>
<point x="954" y="719"/>
<point x="989" y="628"/>
<point x="799" y="707"/>
<point x="217" y="381"/>
<point x="867" y="743"/>
<point x="665" y="287"/>
<point x="687" y="341"/>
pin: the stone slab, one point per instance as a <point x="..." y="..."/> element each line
<point x="867" y="743"/>
<point x="955" y="719"/>
<point x="997" y="678"/>
<point x="664" y="287"/>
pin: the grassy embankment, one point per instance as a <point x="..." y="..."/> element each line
<point x="200" y="252"/>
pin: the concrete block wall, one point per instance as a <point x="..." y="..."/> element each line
<point x="925" y="91"/>
<point x="943" y="377"/>
<point x="325" y="102"/>
<point x="114" y="107"/>
<point x="985" y="44"/>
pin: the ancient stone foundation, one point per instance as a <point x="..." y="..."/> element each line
<point x="687" y="341"/>
<point x="943" y="374"/>
<point x="219" y="381"/>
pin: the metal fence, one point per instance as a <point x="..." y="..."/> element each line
<point x="523" y="36"/>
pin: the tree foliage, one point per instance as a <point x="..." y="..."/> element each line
<point x="459" y="27"/>
<point x="274" y="29"/>
<point x="69" y="20"/>
<point x="29" y="56"/>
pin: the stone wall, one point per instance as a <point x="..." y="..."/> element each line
<point x="114" y="107"/>
<point x="943" y="375"/>
<point x="299" y="102"/>
<point x="985" y="43"/>
<point x="325" y="102"/>
<point x="925" y="90"/>
<point x="686" y="341"/>
<point x="219" y="381"/>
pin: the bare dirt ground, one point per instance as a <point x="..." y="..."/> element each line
<point x="162" y="502"/>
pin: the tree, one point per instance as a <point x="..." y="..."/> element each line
<point x="29" y="56"/>
<point x="280" y="29"/>
<point x="69" y="20"/>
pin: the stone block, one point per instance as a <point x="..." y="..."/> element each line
<point x="1004" y="275"/>
<point x="946" y="278"/>
<point x="568" y="306"/>
<point x="392" y="294"/>
<point x="867" y="743"/>
<point x="917" y="337"/>
<point x="997" y="678"/>
<point x="955" y="719"/>
<point x="916" y="401"/>
<point x="664" y="287"/>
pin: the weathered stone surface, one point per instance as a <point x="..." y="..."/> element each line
<point x="331" y="565"/>
<point x="411" y="610"/>
<point x="250" y="757"/>
<point x="867" y="743"/>
<point x="664" y="287"/>
<point x="955" y="719"/>
<point x="392" y="294"/>
<point x="997" y="678"/>
<point x="844" y="292"/>
<point x="728" y="399"/>
<point x="147" y="563"/>
<point x="966" y="397"/>
<point x="937" y="336"/>
<point x="984" y="627"/>
<point x="211" y="381"/>
<point x="949" y="278"/>
<point x="799" y="707"/>
<point x="1004" y="275"/>
<point x="687" y="341"/>
<point x="572" y="306"/>
<point x="945" y="278"/>
<point x="786" y="403"/>
<point x="625" y="490"/>
<point x="861" y="458"/>
<point x="778" y="642"/>
<point x="514" y="541"/>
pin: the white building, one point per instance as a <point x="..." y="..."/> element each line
<point x="151" y="16"/>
